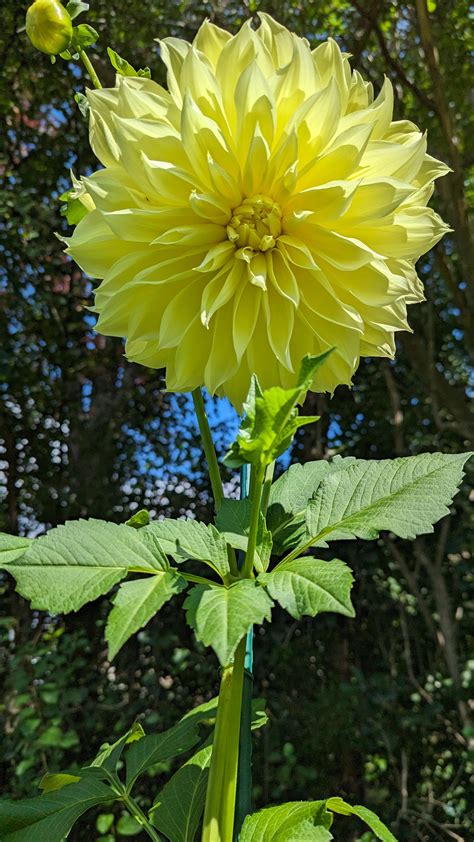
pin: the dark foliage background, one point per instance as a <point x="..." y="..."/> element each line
<point x="374" y="709"/>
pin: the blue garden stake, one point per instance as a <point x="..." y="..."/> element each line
<point x="243" y="804"/>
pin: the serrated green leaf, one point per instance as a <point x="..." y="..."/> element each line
<point x="75" y="563"/>
<point x="337" y="805"/>
<point x="259" y="714"/>
<point x="289" y="496"/>
<point x="104" y="822"/>
<point x="222" y="616"/>
<point x="233" y="521"/>
<point x="405" y="496"/>
<point x="136" y="603"/>
<point x="308" y="832"/>
<point x="185" y="539"/>
<point x="139" y="519"/>
<point x="178" y="808"/>
<point x="110" y="753"/>
<point x="155" y="748"/>
<point x="51" y="816"/>
<point x="278" y="824"/>
<point x="53" y="782"/>
<point x="12" y="547"/>
<point x="128" y="826"/>
<point x="82" y="103"/>
<point x="75" y="7"/>
<point x="271" y="419"/>
<point x="83" y="36"/>
<point x="310" y="586"/>
<point x="73" y="210"/>
<point x="124" y="68"/>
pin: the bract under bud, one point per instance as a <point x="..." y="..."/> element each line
<point x="49" y="26"/>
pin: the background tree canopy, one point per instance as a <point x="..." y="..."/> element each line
<point x="83" y="433"/>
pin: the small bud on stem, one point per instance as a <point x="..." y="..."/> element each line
<point x="49" y="26"/>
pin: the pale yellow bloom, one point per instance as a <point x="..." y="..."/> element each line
<point x="265" y="207"/>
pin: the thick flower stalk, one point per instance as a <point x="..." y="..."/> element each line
<point x="264" y="207"/>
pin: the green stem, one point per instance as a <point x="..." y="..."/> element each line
<point x="199" y="580"/>
<point x="140" y="816"/>
<point x="212" y="465"/>
<point x="256" y="479"/>
<point x="90" y="68"/>
<point x="218" y="823"/>
<point x="208" y="447"/>
<point x="269" y="471"/>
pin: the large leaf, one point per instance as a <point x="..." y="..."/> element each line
<point x="222" y="616"/>
<point x="405" y="496"/>
<point x="136" y="603"/>
<point x="279" y="824"/>
<point x="12" y="547"/>
<point x="51" y="816"/>
<point x="233" y="520"/>
<point x="271" y="419"/>
<point x="310" y="586"/>
<point x="155" y="748"/>
<point x="75" y="563"/>
<point x="337" y="805"/>
<point x="289" y="496"/>
<point x="177" y="810"/>
<point x="186" y="539"/>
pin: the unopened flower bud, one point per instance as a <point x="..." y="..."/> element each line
<point x="49" y="26"/>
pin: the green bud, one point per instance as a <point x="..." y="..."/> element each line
<point x="49" y="26"/>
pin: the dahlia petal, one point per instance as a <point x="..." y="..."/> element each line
<point x="221" y="289"/>
<point x="276" y="39"/>
<point x="217" y="257"/>
<point x="192" y="354"/>
<point x="330" y="64"/>
<point x="94" y="247"/>
<point x="191" y="235"/>
<point x="254" y="173"/>
<point x="282" y="277"/>
<point x="179" y="313"/>
<point x="112" y="189"/>
<point x="173" y="52"/>
<point x="378" y="113"/>
<point x="210" y="40"/>
<point x="222" y="360"/>
<point x="144" y="98"/>
<point x="141" y="225"/>
<point x="280" y="317"/>
<point x="210" y="207"/>
<point x="374" y="198"/>
<point x="402" y="161"/>
<point x="329" y="201"/>
<point x="246" y="312"/>
<point x="167" y="183"/>
<point x="317" y="120"/>
<point x="254" y="106"/>
<point x="360" y="93"/>
<point x="342" y="157"/>
<point x="201" y="137"/>
<point x="137" y="137"/>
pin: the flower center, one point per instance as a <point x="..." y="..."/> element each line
<point x="255" y="224"/>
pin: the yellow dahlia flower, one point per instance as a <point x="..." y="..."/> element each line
<point x="262" y="208"/>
